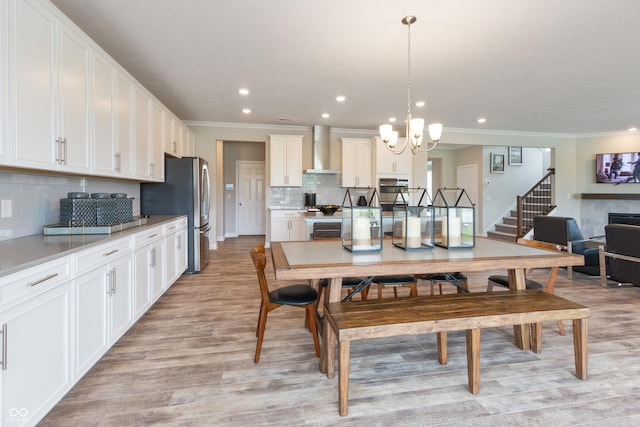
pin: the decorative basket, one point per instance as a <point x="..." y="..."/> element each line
<point x="78" y="212"/>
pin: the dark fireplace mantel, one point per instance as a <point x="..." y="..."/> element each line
<point x="610" y="196"/>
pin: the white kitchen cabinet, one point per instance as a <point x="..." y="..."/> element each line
<point x="356" y="162"/>
<point x="104" y="302"/>
<point x="173" y="135"/>
<point x="391" y="164"/>
<point x="124" y="126"/>
<point x="36" y="335"/>
<point x="104" y="116"/>
<point x="285" y="160"/>
<point x="142" y="143"/>
<point x="287" y="225"/>
<point x="149" y="264"/>
<point x="157" y="143"/>
<point x="49" y="90"/>
<point x="176" y="251"/>
<point x="4" y="79"/>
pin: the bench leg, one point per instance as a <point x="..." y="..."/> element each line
<point x="536" y="337"/>
<point x="442" y="347"/>
<point x="344" y="348"/>
<point x="473" y="360"/>
<point x="330" y="346"/>
<point x="580" y="347"/>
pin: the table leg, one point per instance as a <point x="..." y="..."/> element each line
<point x="343" y="376"/>
<point x="521" y="333"/>
<point x="331" y="295"/>
<point x="580" y="347"/>
<point x="331" y="343"/>
<point x="473" y="360"/>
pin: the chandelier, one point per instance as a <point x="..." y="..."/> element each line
<point x="414" y="127"/>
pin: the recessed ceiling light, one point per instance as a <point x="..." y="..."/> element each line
<point x="243" y="91"/>
<point x="482" y="120"/>
<point x="246" y="110"/>
<point x="632" y="129"/>
<point x="326" y="115"/>
<point x="392" y="119"/>
<point x="341" y="98"/>
<point x="420" y="104"/>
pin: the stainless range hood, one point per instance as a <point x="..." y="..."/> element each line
<point x="321" y="151"/>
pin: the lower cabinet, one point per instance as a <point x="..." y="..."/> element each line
<point x="104" y="310"/>
<point x="36" y="370"/>
<point x="57" y="319"/>
<point x="287" y="225"/>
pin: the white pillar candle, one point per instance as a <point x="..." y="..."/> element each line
<point x="455" y="232"/>
<point x="413" y="232"/>
<point x="361" y="232"/>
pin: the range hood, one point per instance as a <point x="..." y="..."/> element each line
<point x="321" y="151"/>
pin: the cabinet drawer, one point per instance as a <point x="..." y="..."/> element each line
<point x="285" y="214"/>
<point x="92" y="258"/>
<point x="28" y="283"/>
<point x="175" y="225"/>
<point x="147" y="236"/>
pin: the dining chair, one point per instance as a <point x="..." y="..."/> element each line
<point x="456" y="279"/>
<point x="299" y="295"/>
<point x="395" y="282"/>
<point x="503" y="281"/>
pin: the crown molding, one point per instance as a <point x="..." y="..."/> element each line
<point x="232" y="125"/>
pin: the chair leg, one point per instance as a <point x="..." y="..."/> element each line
<point x="561" y="328"/>
<point x="261" y="312"/>
<point x="262" y="324"/>
<point x="311" y="316"/>
<point x="489" y="286"/>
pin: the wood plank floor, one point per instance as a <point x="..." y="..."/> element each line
<point x="189" y="361"/>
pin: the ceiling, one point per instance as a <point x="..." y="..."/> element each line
<point x="569" y="66"/>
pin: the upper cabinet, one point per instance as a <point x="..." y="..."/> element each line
<point x="285" y="153"/>
<point x="48" y="87"/>
<point x="388" y="163"/>
<point x="66" y="106"/>
<point x="356" y="162"/>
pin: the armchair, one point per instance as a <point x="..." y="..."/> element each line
<point x="565" y="231"/>
<point x="623" y="253"/>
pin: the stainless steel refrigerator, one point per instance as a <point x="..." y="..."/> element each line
<point x="186" y="191"/>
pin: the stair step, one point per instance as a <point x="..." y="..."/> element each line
<point x="501" y="236"/>
<point x="506" y="228"/>
<point x="510" y="220"/>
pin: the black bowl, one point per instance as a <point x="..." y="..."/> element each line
<point x="328" y="209"/>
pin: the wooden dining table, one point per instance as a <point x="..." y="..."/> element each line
<point x="328" y="259"/>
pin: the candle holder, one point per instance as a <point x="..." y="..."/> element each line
<point x="454" y="223"/>
<point x="413" y="224"/>
<point x="361" y="224"/>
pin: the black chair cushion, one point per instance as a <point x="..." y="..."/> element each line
<point x="401" y="279"/>
<point x="439" y="277"/>
<point x="504" y="281"/>
<point x="293" y="295"/>
<point x="347" y="282"/>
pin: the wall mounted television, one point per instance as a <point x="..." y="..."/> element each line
<point x="618" y="168"/>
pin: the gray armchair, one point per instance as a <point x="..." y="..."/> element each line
<point x="565" y="231"/>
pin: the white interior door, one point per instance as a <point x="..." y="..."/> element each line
<point x="251" y="204"/>
<point x="467" y="178"/>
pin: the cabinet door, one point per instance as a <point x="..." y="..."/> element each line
<point x="356" y="162"/>
<point x="121" y="297"/>
<point x="157" y="144"/>
<point x="364" y="163"/>
<point x="36" y="371"/>
<point x="182" y="256"/>
<point x="171" y="134"/>
<point x="104" y="121"/>
<point x="142" y="280"/>
<point x="73" y="104"/>
<point x="124" y="129"/>
<point x="389" y="163"/>
<point x="279" y="230"/>
<point x="298" y="230"/>
<point x="4" y="76"/>
<point x="285" y="154"/>
<point x="171" y="248"/>
<point x="92" y="339"/>
<point x="142" y="160"/>
<point x="32" y="79"/>
<point x="157" y="268"/>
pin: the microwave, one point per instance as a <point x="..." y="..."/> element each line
<point x="388" y="190"/>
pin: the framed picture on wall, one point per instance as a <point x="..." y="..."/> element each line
<point x="497" y="163"/>
<point x="515" y="156"/>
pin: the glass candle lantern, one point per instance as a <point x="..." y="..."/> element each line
<point x="454" y="219"/>
<point x="413" y="224"/>
<point x="361" y="224"/>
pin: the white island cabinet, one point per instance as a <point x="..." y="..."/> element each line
<point x="287" y="225"/>
<point x="35" y="317"/>
<point x="58" y="317"/>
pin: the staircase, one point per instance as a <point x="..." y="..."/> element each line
<point x="537" y="201"/>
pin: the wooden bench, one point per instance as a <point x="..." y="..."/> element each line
<point x="361" y="320"/>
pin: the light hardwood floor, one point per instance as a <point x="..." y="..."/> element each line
<point x="189" y="361"/>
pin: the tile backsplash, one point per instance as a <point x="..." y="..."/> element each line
<point x="326" y="186"/>
<point x="35" y="198"/>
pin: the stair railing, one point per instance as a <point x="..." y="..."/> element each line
<point x="539" y="200"/>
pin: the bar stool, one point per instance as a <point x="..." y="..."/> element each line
<point x="396" y="281"/>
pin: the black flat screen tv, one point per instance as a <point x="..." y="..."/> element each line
<point x="618" y="168"/>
